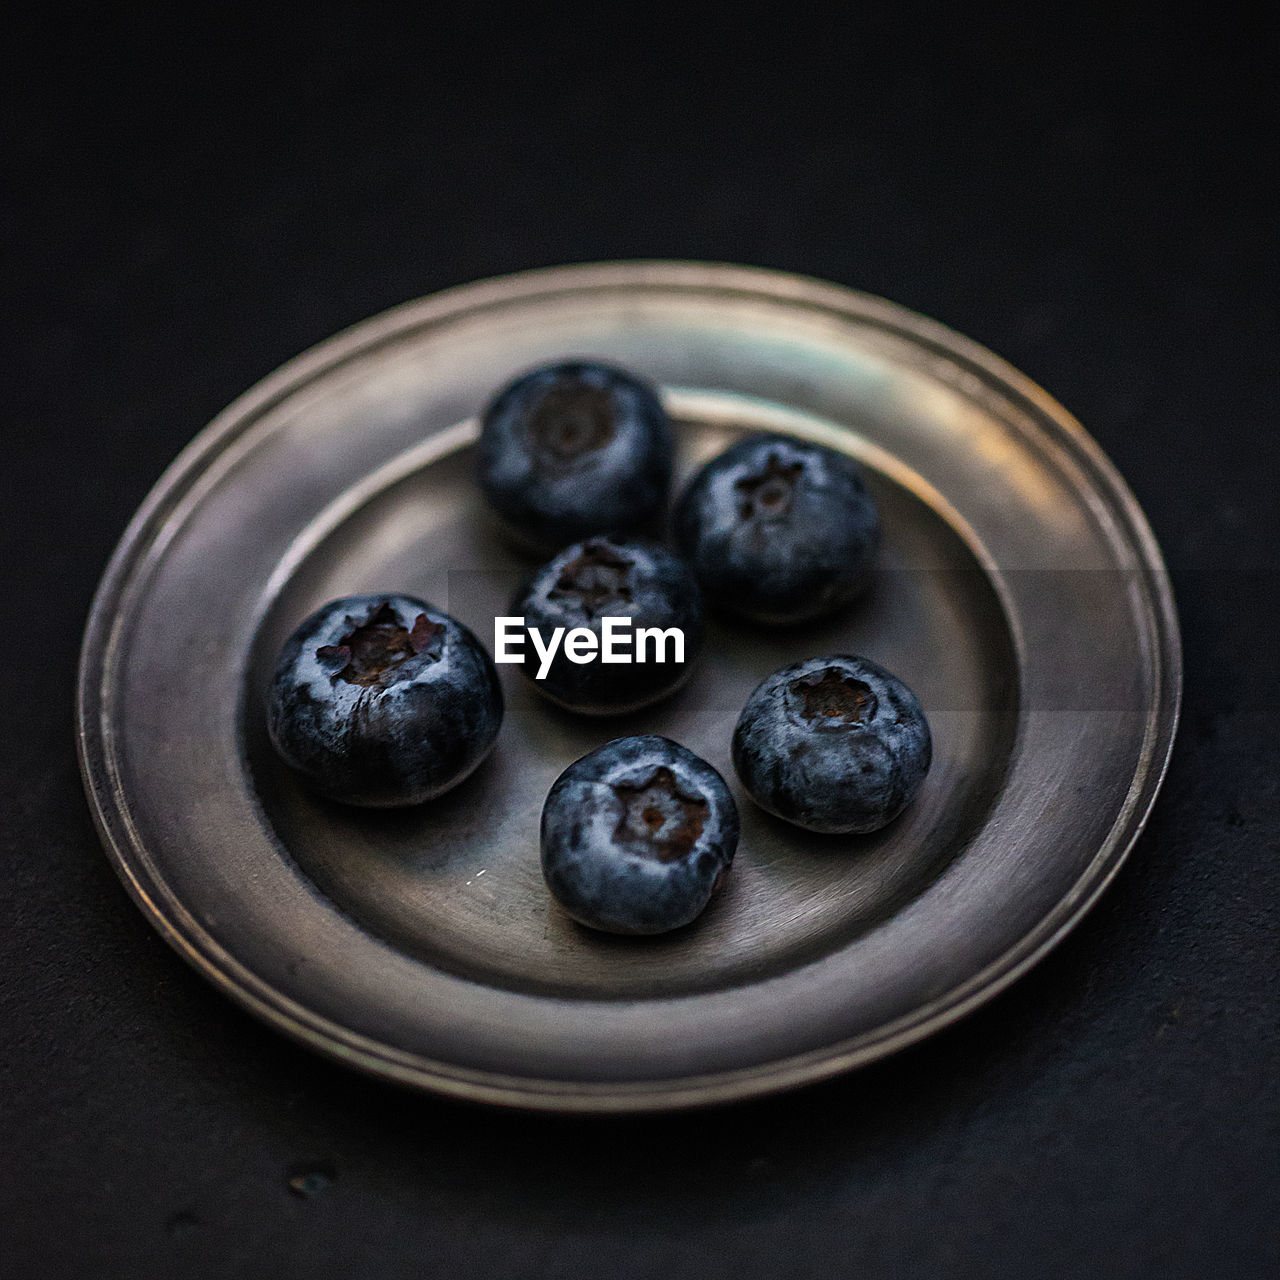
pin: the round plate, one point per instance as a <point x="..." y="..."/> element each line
<point x="1020" y="593"/>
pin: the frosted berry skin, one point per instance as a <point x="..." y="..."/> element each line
<point x="833" y="744"/>
<point x="620" y="578"/>
<point x="778" y="530"/>
<point x="382" y="700"/>
<point x="637" y="835"/>
<point x="573" y="449"/>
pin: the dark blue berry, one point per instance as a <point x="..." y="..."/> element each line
<point x="637" y="835"/>
<point x="612" y="578"/>
<point x="832" y="744"/>
<point x="778" y="530"/>
<point x="383" y="700"/>
<point x="574" y="449"/>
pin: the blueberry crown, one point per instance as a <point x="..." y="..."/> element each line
<point x="371" y="650"/>
<point x="571" y="420"/>
<point x="659" y="818"/>
<point x="598" y="576"/>
<point x="833" y="695"/>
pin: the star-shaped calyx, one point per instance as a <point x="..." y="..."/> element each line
<point x="832" y="695"/>
<point x="659" y="819"/>
<point x="374" y="648"/>
<point x="572" y="420"/>
<point x="596" y="578"/>
<point x="768" y="494"/>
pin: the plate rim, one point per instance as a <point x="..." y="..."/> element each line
<point x="198" y="947"/>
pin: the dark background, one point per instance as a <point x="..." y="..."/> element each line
<point x="190" y="203"/>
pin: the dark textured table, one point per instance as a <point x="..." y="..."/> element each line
<point x="189" y="205"/>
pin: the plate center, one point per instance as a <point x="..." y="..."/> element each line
<point x="457" y="883"/>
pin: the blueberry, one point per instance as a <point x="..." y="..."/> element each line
<point x="612" y="578"/>
<point x="383" y="700"/>
<point x="573" y="449"/>
<point x="832" y="744"/>
<point x="778" y="530"/>
<point x="637" y="835"/>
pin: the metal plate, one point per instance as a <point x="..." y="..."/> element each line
<point x="1021" y="594"/>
